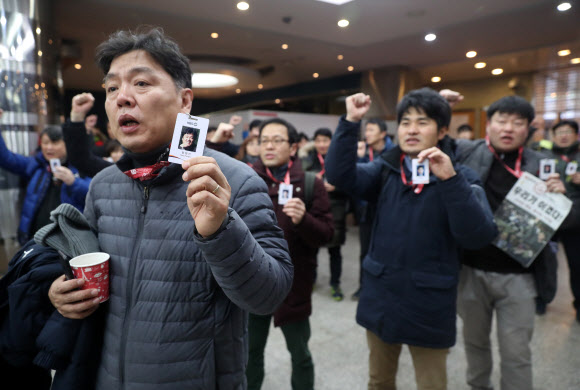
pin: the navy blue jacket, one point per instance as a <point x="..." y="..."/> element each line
<point x="33" y="332"/>
<point x="35" y="170"/>
<point x="410" y="274"/>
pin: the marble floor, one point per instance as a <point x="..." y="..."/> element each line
<point x="339" y="348"/>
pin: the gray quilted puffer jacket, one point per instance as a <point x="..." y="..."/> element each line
<point x="177" y="316"/>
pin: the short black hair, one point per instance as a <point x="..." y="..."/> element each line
<point x="464" y="127"/>
<point x="302" y="136"/>
<point x="323" y="131"/>
<point x="292" y="133"/>
<point x="54" y="133"/>
<point x="430" y="102"/>
<point x="254" y="123"/>
<point x="512" y="105"/>
<point x="572" y="124"/>
<point x="163" y="49"/>
<point x="189" y="130"/>
<point x="379" y="122"/>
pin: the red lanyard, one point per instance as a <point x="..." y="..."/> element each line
<point x="371" y="154"/>
<point x="565" y="158"/>
<point x="518" y="171"/>
<point x="147" y="172"/>
<point x="286" y="177"/>
<point x="416" y="188"/>
<point x="321" y="159"/>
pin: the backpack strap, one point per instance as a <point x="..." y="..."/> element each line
<point x="309" y="178"/>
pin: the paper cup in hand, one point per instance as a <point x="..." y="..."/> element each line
<point x="94" y="268"/>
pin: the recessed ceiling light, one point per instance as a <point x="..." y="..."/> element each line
<point x="260" y="86"/>
<point x="284" y="46"/>
<point x="50" y="41"/>
<point x="497" y="71"/>
<point x="350" y="68"/>
<point x="277" y="101"/>
<point x="430" y="37"/>
<point x="212" y="80"/>
<point x="575" y="61"/>
<point x="480" y="65"/>
<point x="343" y="23"/>
<point x="78" y="66"/>
<point x="435" y="79"/>
<point x="564" y="53"/>
<point x="564" y="6"/>
<point x="243" y="6"/>
<point x="214" y="35"/>
<point x="470" y="54"/>
<point x="340" y="57"/>
<point x="238" y="90"/>
<point x="38" y="30"/>
<point x="335" y="2"/>
<point x="103" y="86"/>
<point x="315" y="75"/>
<point x="42" y="85"/>
<point x="40" y="53"/>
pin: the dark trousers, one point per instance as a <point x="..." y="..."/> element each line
<point x="364" y="236"/>
<point x="297" y="335"/>
<point x="571" y="242"/>
<point x="335" y="259"/>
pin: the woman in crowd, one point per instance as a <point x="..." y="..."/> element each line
<point x="249" y="150"/>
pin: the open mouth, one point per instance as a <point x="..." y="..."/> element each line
<point x="127" y="122"/>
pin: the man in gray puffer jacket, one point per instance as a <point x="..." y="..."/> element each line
<point x="193" y="247"/>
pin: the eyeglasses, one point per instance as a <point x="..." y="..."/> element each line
<point x="275" y="141"/>
<point x="564" y="132"/>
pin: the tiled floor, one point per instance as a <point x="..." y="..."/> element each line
<point x="339" y="348"/>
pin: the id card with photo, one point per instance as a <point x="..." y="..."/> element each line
<point x="419" y="171"/>
<point x="547" y="167"/>
<point x="571" y="168"/>
<point x="54" y="163"/>
<point x="188" y="138"/>
<point x="285" y="193"/>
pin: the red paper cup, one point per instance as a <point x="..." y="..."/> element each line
<point x="94" y="269"/>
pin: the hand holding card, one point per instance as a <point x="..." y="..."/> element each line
<point x="439" y="163"/>
<point x="208" y="194"/>
<point x="188" y="138"/>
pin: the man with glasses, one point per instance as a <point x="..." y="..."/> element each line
<point x="307" y="225"/>
<point x="565" y="150"/>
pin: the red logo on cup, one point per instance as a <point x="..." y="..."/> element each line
<point x="94" y="268"/>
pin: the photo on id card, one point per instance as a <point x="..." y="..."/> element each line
<point x="54" y="163"/>
<point x="188" y="138"/>
<point x="285" y="193"/>
<point x="571" y="168"/>
<point x="547" y="167"/>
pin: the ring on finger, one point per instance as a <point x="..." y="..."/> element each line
<point x="216" y="189"/>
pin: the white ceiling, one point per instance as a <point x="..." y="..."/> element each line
<point x="381" y="33"/>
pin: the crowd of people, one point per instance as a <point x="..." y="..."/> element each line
<point x="205" y="254"/>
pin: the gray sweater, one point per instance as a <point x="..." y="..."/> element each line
<point x="177" y="315"/>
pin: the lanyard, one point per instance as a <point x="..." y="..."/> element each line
<point x="371" y="154"/>
<point x="286" y="177"/>
<point x="321" y="159"/>
<point x="416" y="188"/>
<point x="565" y="158"/>
<point x="147" y="172"/>
<point x="518" y="171"/>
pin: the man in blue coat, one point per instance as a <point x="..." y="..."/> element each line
<point x="410" y="274"/>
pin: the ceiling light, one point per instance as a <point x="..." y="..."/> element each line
<point x="103" y="86"/>
<point x="212" y="80"/>
<point x="238" y="90"/>
<point x="343" y="23"/>
<point x="260" y="86"/>
<point x="350" y="68"/>
<point x="335" y="2"/>
<point x="497" y="71"/>
<point x="243" y="6"/>
<point x="38" y="30"/>
<point x="284" y="46"/>
<point x="430" y="37"/>
<point x="564" y="6"/>
<point x="480" y="65"/>
<point x="435" y="79"/>
<point x="40" y="53"/>
<point x="470" y="54"/>
<point x="277" y="101"/>
<point x="315" y="75"/>
<point x="340" y="57"/>
<point x="214" y="35"/>
<point x="564" y="53"/>
<point x="575" y="61"/>
<point x="78" y="66"/>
